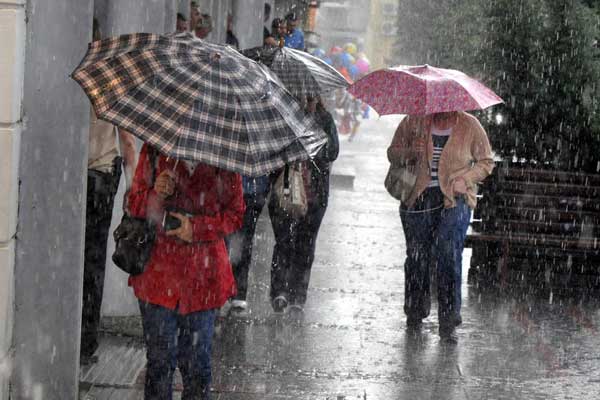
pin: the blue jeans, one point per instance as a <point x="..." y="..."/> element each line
<point x="175" y="340"/>
<point x="435" y="238"/>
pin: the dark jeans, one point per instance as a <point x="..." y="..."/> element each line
<point x="101" y="190"/>
<point x="435" y="238"/>
<point x="244" y="238"/>
<point x="294" y="252"/>
<point x="175" y="340"/>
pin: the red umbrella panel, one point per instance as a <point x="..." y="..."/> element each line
<point x="422" y="90"/>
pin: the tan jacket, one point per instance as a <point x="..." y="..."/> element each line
<point x="467" y="154"/>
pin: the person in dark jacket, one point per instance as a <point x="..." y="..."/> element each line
<point x="296" y="237"/>
<point x="231" y="39"/>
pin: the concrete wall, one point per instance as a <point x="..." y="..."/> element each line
<point x="53" y="157"/>
<point x="248" y="22"/>
<point x="218" y="10"/>
<point x="118" y="17"/>
<point x="12" y="44"/>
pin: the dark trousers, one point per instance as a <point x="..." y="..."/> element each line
<point x="294" y="252"/>
<point x="244" y="239"/>
<point x="174" y="340"/>
<point x="435" y="238"/>
<point x="101" y="190"/>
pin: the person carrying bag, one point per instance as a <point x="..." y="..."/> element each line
<point x="134" y="237"/>
<point x="290" y="192"/>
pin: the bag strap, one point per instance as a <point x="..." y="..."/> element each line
<point x="286" y="177"/>
<point x="152" y="157"/>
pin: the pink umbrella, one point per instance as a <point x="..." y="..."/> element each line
<point x="422" y="90"/>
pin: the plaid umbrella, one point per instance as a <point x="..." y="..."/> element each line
<point x="301" y="73"/>
<point x="197" y="101"/>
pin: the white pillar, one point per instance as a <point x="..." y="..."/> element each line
<point x="117" y="17"/>
<point x="12" y="44"/>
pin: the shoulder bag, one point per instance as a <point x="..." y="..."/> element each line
<point x="134" y="237"/>
<point x="290" y="192"/>
<point x="400" y="180"/>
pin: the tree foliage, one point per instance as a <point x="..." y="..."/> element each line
<point x="538" y="55"/>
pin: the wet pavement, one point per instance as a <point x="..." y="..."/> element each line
<point x="352" y="343"/>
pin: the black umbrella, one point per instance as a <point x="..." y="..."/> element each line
<point x="302" y="74"/>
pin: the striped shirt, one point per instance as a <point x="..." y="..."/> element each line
<point x="440" y="138"/>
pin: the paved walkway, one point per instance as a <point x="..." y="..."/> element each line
<point x="352" y="342"/>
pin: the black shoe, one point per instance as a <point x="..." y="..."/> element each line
<point x="279" y="304"/>
<point x="414" y="323"/>
<point x="457" y="321"/>
<point x="448" y="335"/>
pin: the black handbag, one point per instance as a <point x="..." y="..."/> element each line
<point x="134" y="237"/>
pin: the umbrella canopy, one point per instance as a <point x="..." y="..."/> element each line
<point x="302" y="74"/>
<point x="197" y="101"/>
<point x="422" y="90"/>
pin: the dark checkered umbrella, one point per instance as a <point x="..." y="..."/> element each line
<point x="197" y="101"/>
<point x="301" y="73"/>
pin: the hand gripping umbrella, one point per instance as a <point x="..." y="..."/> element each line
<point x="198" y="101"/>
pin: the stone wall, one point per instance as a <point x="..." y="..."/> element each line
<point x="52" y="176"/>
<point x="12" y="42"/>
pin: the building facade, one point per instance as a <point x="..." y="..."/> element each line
<point x="382" y="32"/>
<point x="343" y="21"/>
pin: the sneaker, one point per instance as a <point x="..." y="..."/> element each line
<point x="239" y="304"/>
<point x="279" y="304"/>
<point x="224" y="310"/>
<point x="239" y="308"/>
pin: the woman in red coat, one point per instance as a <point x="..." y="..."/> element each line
<point x="188" y="275"/>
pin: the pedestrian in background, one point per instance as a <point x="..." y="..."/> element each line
<point x="104" y="174"/>
<point x="204" y="26"/>
<point x="451" y="154"/>
<point x="268" y="38"/>
<point x="295" y="37"/>
<point x="194" y="16"/>
<point x="231" y="39"/>
<point x="278" y="32"/>
<point x="296" y="237"/>
<point x="256" y="191"/>
<point x="188" y="275"/>
<point x="182" y="24"/>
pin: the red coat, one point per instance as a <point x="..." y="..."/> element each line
<point x="196" y="276"/>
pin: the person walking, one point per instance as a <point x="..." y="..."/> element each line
<point x="104" y="174"/>
<point x="296" y="237"/>
<point x="294" y="37"/>
<point x="256" y="191"/>
<point x="188" y="275"/>
<point x="451" y="154"/>
<point x="204" y="26"/>
<point x="181" y="24"/>
<point x="278" y="33"/>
